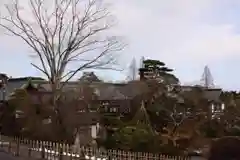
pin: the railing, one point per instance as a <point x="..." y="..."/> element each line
<point x="34" y="149"/>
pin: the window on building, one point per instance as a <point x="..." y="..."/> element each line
<point x="81" y="110"/>
<point x="113" y="109"/>
<point x="47" y="120"/>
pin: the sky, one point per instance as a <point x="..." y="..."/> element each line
<point x="185" y="34"/>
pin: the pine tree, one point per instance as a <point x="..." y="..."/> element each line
<point x="142" y="118"/>
<point x="155" y="69"/>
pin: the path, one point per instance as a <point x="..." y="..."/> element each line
<point x="6" y="156"/>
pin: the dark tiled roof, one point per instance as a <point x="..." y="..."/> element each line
<point x="89" y="77"/>
<point x="133" y="89"/>
<point x="10" y="88"/>
<point x="16" y="83"/>
<point x="105" y="91"/>
<point x="26" y="79"/>
<point x="212" y="94"/>
<point x="110" y="93"/>
<point x="68" y="86"/>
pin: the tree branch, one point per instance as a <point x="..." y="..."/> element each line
<point x="71" y="30"/>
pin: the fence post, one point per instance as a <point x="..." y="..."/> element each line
<point x="70" y="151"/>
<point x="43" y="149"/>
<point x="1" y="140"/>
<point x="82" y="152"/>
<point x="9" y="146"/>
<point x="29" y="151"/>
<point x="1" y="144"/>
<point x="29" y="147"/>
<point x="18" y="147"/>
<point x="60" y="152"/>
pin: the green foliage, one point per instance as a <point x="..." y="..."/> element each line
<point x="134" y="138"/>
<point x="170" y="78"/>
<point x="234" y="131"/>
<point x="159" y="67"/>
<point x="210" y="129"/>
<point x="156" y="65"/>
<point x="112" y="121"/>
<point x="169" y="149"/>
<point x="153" y="64"/>
<point x="30" y="116"/>
<point x="9" y="125"/>
<point x="225" y="148"/>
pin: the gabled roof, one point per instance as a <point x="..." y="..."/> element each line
<point x="25" y="79"/>
<point x="17" y="83"/>
<point x="212" y="94"/>
<point x="3" y="76"/>
<point x="89" y="77"/>
<point x="134" y="88"/>
<point x="105" y="91"/>
<point x="110" y="93"/>
<point x="67" y="86"/>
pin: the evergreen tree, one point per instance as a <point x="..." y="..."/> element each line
<point x="159" y="71"/>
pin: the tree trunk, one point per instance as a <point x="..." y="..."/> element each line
<point x="172" y="135"/>
<point x="61" y="129"/>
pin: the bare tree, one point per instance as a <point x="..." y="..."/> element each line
<point x="176" y="116"/>
<point x="64" y="33"/>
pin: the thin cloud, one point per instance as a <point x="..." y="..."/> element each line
<point x="177" y="31"/>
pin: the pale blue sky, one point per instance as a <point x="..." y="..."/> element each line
<point x="185" y="34"/>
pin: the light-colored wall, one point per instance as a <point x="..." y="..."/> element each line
<point x="95" y="130"/>
<point x="87" y="134"/>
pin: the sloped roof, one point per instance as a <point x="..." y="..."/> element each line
<point x="16" y="83"/>
<point x="67" y="86"/>
<point x="26" y="79"/>
<point x="105" y="91"/>
<point x="3" y="77"/>
<point x="89" y="77"/>
<point x="212" y="94"/>
<point x="10" y="88"/>
<point x="110" y="93"/>
<point x="133" y="89"/>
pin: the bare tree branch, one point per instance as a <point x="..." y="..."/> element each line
<point x="61" y="32"/>
<point x="69" y="31"/>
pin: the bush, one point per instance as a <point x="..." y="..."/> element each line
<point x="226" y="148"/>
<point x="170" y="150"/>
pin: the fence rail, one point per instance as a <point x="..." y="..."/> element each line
<point x="34" y="149"/>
